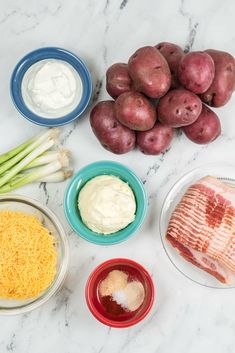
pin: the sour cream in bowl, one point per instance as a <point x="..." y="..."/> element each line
<point x="51" y="86"/>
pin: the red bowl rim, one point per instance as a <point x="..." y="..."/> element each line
<point x="96" y="313"/>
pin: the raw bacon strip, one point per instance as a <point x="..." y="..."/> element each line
<point x="204" y="221"/>
<point x="204" y="262"/>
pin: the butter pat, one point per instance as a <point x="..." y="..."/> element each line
<point x="106" y="204"/>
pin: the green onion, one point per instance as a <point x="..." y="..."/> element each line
<point x="38" y="173"/>
<point x="38" y="139"/>
<point x="32" y="161"/>
<point x="56" y="177"/>
<point x="47" y="157"/>
<point x="31" y="147"/>
<point x="6" y="156"/>
<point x="18" y="167"/>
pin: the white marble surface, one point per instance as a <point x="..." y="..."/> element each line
<point x="186" y="318"/>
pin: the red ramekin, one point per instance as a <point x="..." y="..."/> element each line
<point x="100" y="273"/>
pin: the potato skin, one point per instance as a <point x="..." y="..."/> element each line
<point x="205" y="129"/>
<point x="196" y="71"/>
<point x="173" y="54"/>
<point x="134" y="110"/>
<point x="118" y="80"/>
<point x="155" y="140"/>
<point x="150" y="72"/>
<point x="179" y="107"/>
<point x="112" y="135"/>
<point x="221" y="89"/>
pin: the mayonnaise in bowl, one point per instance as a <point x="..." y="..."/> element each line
<point x="106" y="204"/>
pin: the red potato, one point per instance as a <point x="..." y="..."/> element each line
<point x="179" y="107"/>
<point x="112" y="135"/>
<point x="134" y="110"/>
<point x="222" y="87"/>
<point x="150" y="72"/>
<point x="118" y="80"/>
<point x="205" y="129"/>
<point x="173" y="54"/>
<point x="155" y="140"/>
<point x="196" y="71"/>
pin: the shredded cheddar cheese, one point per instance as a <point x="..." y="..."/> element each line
<point x="27" y="256"/>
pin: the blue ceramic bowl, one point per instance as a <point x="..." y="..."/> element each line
<point x="81" y="178"/>
<point x="50" y="53"/>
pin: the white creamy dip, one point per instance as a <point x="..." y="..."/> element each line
<point x="51" y="88"/>
<point x="106" y="204"/>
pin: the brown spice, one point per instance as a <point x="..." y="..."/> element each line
<point x="115" y="280"/>
<point x="129" y="295"/>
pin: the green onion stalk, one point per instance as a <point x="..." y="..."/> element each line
<point x="34" y="160"/>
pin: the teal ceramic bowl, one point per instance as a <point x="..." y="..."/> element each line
<point x="81" y="178"/>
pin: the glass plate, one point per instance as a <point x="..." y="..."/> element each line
<point x="221" y="171"/>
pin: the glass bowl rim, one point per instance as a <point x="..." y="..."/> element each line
<point x="38" y="301"/>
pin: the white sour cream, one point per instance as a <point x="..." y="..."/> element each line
<point x="106" y="204"/>
<point x="51" y="88"/>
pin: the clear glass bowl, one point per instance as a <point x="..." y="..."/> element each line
<point x="223" y="172"/>
<point x="50" y="221"/>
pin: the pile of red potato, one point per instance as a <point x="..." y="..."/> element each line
<point x="160" y="89"/>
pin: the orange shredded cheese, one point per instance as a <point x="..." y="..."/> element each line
<point x="27" y="256"/>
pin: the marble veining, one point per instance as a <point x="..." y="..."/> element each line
<point x="192" y="27"/>
<point x="186" y="318"/>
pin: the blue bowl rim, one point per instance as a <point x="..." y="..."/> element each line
<point x="46" y="53"/>
<point x="114" y="238"/>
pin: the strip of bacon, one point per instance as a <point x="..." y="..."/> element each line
<point x="207" y="265"/>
